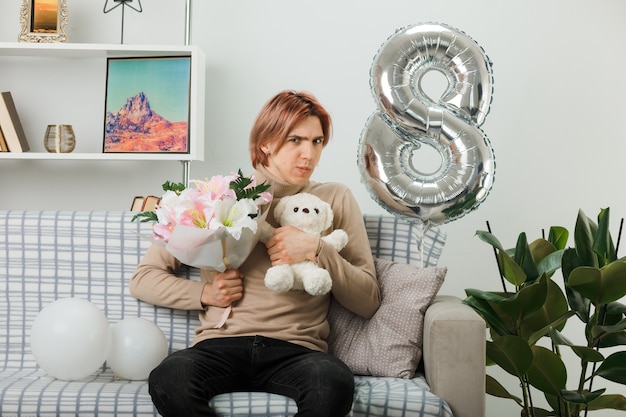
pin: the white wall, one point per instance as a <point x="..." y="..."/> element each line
<point x="555" y="122"/>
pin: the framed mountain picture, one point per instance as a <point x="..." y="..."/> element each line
<point x="147" y="105"/>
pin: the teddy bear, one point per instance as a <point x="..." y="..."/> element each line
<point x="312" y="215"/>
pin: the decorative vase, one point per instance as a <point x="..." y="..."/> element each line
<point x="59" y="139"/>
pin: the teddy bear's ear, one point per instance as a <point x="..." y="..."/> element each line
<point x="280" y="208"/>
<point x="328" y="214"/>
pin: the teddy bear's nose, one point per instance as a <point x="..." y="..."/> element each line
<point x="306" y="210"/>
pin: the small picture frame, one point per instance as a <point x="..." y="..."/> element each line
<point x="43" y="21"/>
<point x="147" y="105"/>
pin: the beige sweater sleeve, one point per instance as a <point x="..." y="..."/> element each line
<point x="352" y="269"/>
<point x="154" y="281"/>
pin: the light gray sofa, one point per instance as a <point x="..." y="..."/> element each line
<point x="50" y="255"/>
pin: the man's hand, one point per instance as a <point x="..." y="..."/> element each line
<point x="227" y="287"/>
<point x="290" y="245"/>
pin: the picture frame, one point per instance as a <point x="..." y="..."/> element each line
<point x="43" y="21"/>
<point x="147" y="105"/>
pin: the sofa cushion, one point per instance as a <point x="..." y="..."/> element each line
<point x="398" y="240"/>
<point x="390" y="343"/>
<point x="29" y="392"/>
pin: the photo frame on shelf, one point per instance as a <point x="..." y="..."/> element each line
<point x="147" y="105"/>
<point x="43" y="21"/>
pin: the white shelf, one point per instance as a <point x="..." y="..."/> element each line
<point x="37" y="74"/>
<point x="96" y="156"/>
<point x="91" y="50"/>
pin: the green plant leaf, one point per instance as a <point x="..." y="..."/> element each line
<point x="527" y="300"/>
<point x="548" y="315"/>
<point x="557" y="323"/>
<point x="524" y="258"/>
<point x="511" y="353"/>
<point x="616" y="309"/>
<point x="511" y="270"/>
<point x="603" y="243"/>
<point x="585" y="353"/>
<point x="540" y="248"/>
<point x="584" y="233"/>
<point x="547" y="372"/>
<point x="584" y="397"/>
<point x="146" y="216"/>
<point x="578" y="303"/>
<point x="601" y="331"/>
<point x="611" y="340"/>
<point x="613" y="368"/>
<point x="558" y="236"/>
<point x="478" y="301"/>
<point x="495" y="389"/>
<point x="177" y="187"/>
<point x="601" y="286"/>
<point x="243" y="189"/>
<point x="538" y="412"/>
<point x="495" y="297"/>
<point x="490" y="239"/>
<point x="550" y="263"/>
<point x="610" y="401"/>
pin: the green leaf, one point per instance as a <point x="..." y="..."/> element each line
<point x="511" y="353"/>
<point x="540" y="248"/>
<point x="241" y="187"/>
<point x="585" y="353"/>
<point x="584" y="233"/>
<point x="490" y="239"/>
<point x="611" y="340"/>
<point x="177" y="187"/>
<point x="548" y="315"/>
<point x="578" y="303"/>
<point x="495" y="389"/>
<point x="511" y="270"/>
<point x="610" y="401"/>
<point x="532" y="339"/>
<point x="146" y="216"/>
<point x="601" y="286"/>
<point x="478" y="301"/>
<point x="584" y="397"/>
<point x="527" y="300"/>
<point x="550" y="263"/>
<point x="616" y="308"/>
<point x="547" y="372"/>
<point x="524" y="258"/>
<point x="603" y="243"/>
<point x="539" y="412"/>
<point x="485" y="295"/>
<point x="558" y="236"/>
<point x="610" y="329"/>
<point x="613" y="368"/>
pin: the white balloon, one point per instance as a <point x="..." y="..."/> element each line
<point x="70" y="338"/>
<point x="137" y="347"/>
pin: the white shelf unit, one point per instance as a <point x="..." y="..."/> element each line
<point x="68" y="80"/>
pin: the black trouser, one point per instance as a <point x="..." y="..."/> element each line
<point x="183" y="384"/>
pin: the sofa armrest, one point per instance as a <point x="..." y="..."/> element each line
<point x="454" y="355"/>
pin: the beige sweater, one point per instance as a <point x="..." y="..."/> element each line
<point x="294" y="316"/>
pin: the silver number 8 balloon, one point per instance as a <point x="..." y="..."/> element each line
<point x="407" y="119"/>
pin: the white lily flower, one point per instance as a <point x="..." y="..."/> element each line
<point x="234" y="215"/>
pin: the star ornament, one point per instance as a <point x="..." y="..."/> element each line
<point x="116" y="3"/>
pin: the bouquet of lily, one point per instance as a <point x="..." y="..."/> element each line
<point x="212" y="224"/>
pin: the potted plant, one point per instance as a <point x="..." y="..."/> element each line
<point x="526" y="319"/>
